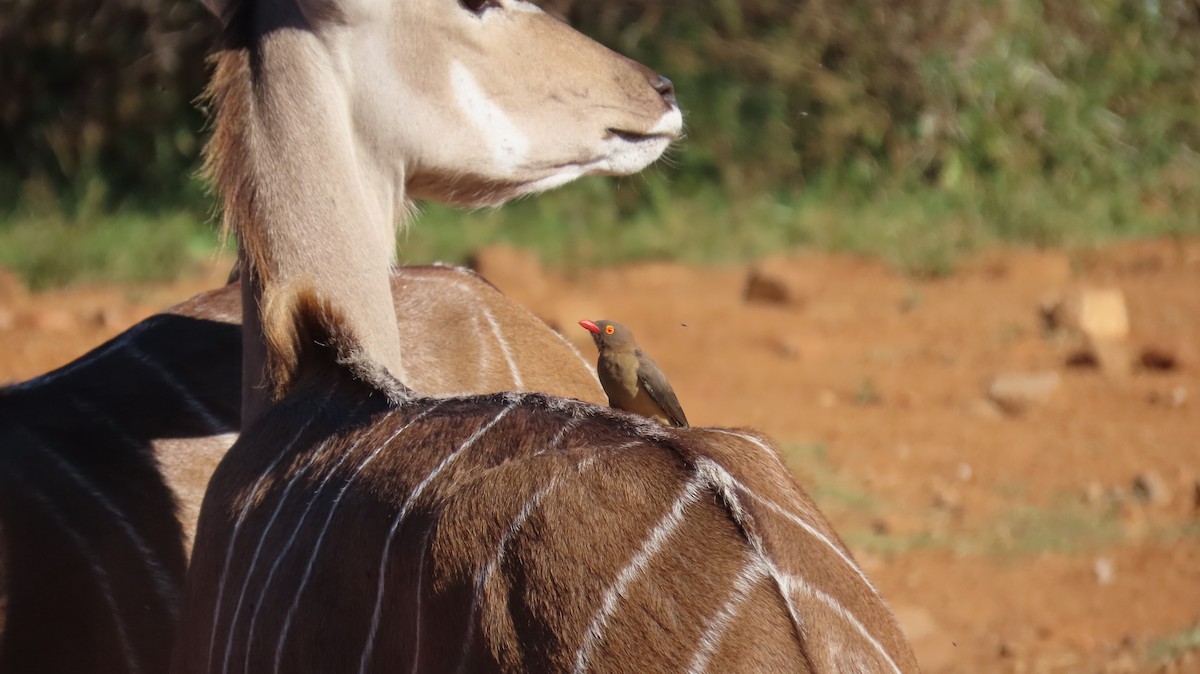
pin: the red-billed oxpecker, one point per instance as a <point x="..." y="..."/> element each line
<point x="631" y="379"/>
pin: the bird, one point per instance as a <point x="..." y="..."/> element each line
<point x="632" y="380"/>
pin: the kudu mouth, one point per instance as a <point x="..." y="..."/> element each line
<point x="635" y="136"/>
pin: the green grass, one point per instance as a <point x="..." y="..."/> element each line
<point x="1171" y="647"/>
<point x="1062" y="526"/>
<point x="834" y="492"/>
<point x="53" y="250"/>
<point x="1065" y="528"/>
<point x="599" y="222"/>
<point x="1023" y="531"/>
<point x="923" y="232"/>
<point x="914" y="132"/>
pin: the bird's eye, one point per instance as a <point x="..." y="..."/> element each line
<point x="608" y="329"/>
<point x="479" y="6"/>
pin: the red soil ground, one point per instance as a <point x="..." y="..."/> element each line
<point x="1006" y="542"/>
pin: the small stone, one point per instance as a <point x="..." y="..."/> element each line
<point x="1150" y="487"/>
<point x="1090" y="312"/>
<point x="1100" y="314"/>
<point x="764" y="288"/>
<point x="1105" y="570"/>
<point x="1159" y="357"/>
<point x="1173" y="399"/>
<point x="1093" y="494"/>
<point x="1016" y="392"/>
<point x="1110" y="356"/>
<point x="1097" y="321"/>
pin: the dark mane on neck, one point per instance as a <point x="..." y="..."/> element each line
<point x="229" y="153"/>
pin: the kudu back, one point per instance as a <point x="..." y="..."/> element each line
<point x="103" y="462"/>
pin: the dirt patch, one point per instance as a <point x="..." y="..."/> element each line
<point x="1008" y="541"/>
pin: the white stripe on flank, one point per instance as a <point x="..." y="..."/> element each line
<point x="258" y="548"/>
<point x="780" y="510"/>
<point x="561" y="435"/>
<point x="102" y="580"/>
<point x="237" y="528"/>
<point x="786" y="583"/>
<point x="417" y="601"/>
<point x="793" y="583"/>
<point x="468" y="290"/>
<point x="316" y="548"/>
<point x="313" y="499"/>
<point x="214" y="424"/>
<point x="724" y="483"/>
<point x="164" y="586"/>
<point x="650" y="547"/>
<point x="376" y="615"/>
<point x="518" y="383"/>
<point x="716" y="626"/>
<point x="766" y="449"/>
<point x="590" y="368"/>
<point x="484" y="576"/>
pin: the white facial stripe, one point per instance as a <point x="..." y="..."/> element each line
<point x="670" y="124"/>
<point x="522" y="6"/>
<point x="507" y="144"/>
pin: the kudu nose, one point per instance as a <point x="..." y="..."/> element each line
<point x="664" y="87"/>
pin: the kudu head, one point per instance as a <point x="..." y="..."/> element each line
<point x="331" y="115"/>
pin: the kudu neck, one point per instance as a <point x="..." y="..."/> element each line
<point x="310" y="210"/>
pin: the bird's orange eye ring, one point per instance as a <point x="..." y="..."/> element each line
<point x="608" y="329"/>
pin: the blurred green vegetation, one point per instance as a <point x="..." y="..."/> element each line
<point x="1168" y="649"/>
<point x="914" y="129"/>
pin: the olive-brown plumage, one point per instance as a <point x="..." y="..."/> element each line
<point x="632" y="380"/>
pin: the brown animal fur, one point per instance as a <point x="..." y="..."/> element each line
<point x="352" y="530"/>
<point x="516" y="519"/>
<point x="95" y="587"/>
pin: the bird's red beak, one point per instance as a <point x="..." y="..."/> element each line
<point x="590" y="326"/>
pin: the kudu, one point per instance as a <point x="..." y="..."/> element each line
<point x="357" y="526"/>
<point x="103" y="462"/>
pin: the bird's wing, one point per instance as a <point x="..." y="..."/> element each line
<point x="651" y="378"/>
